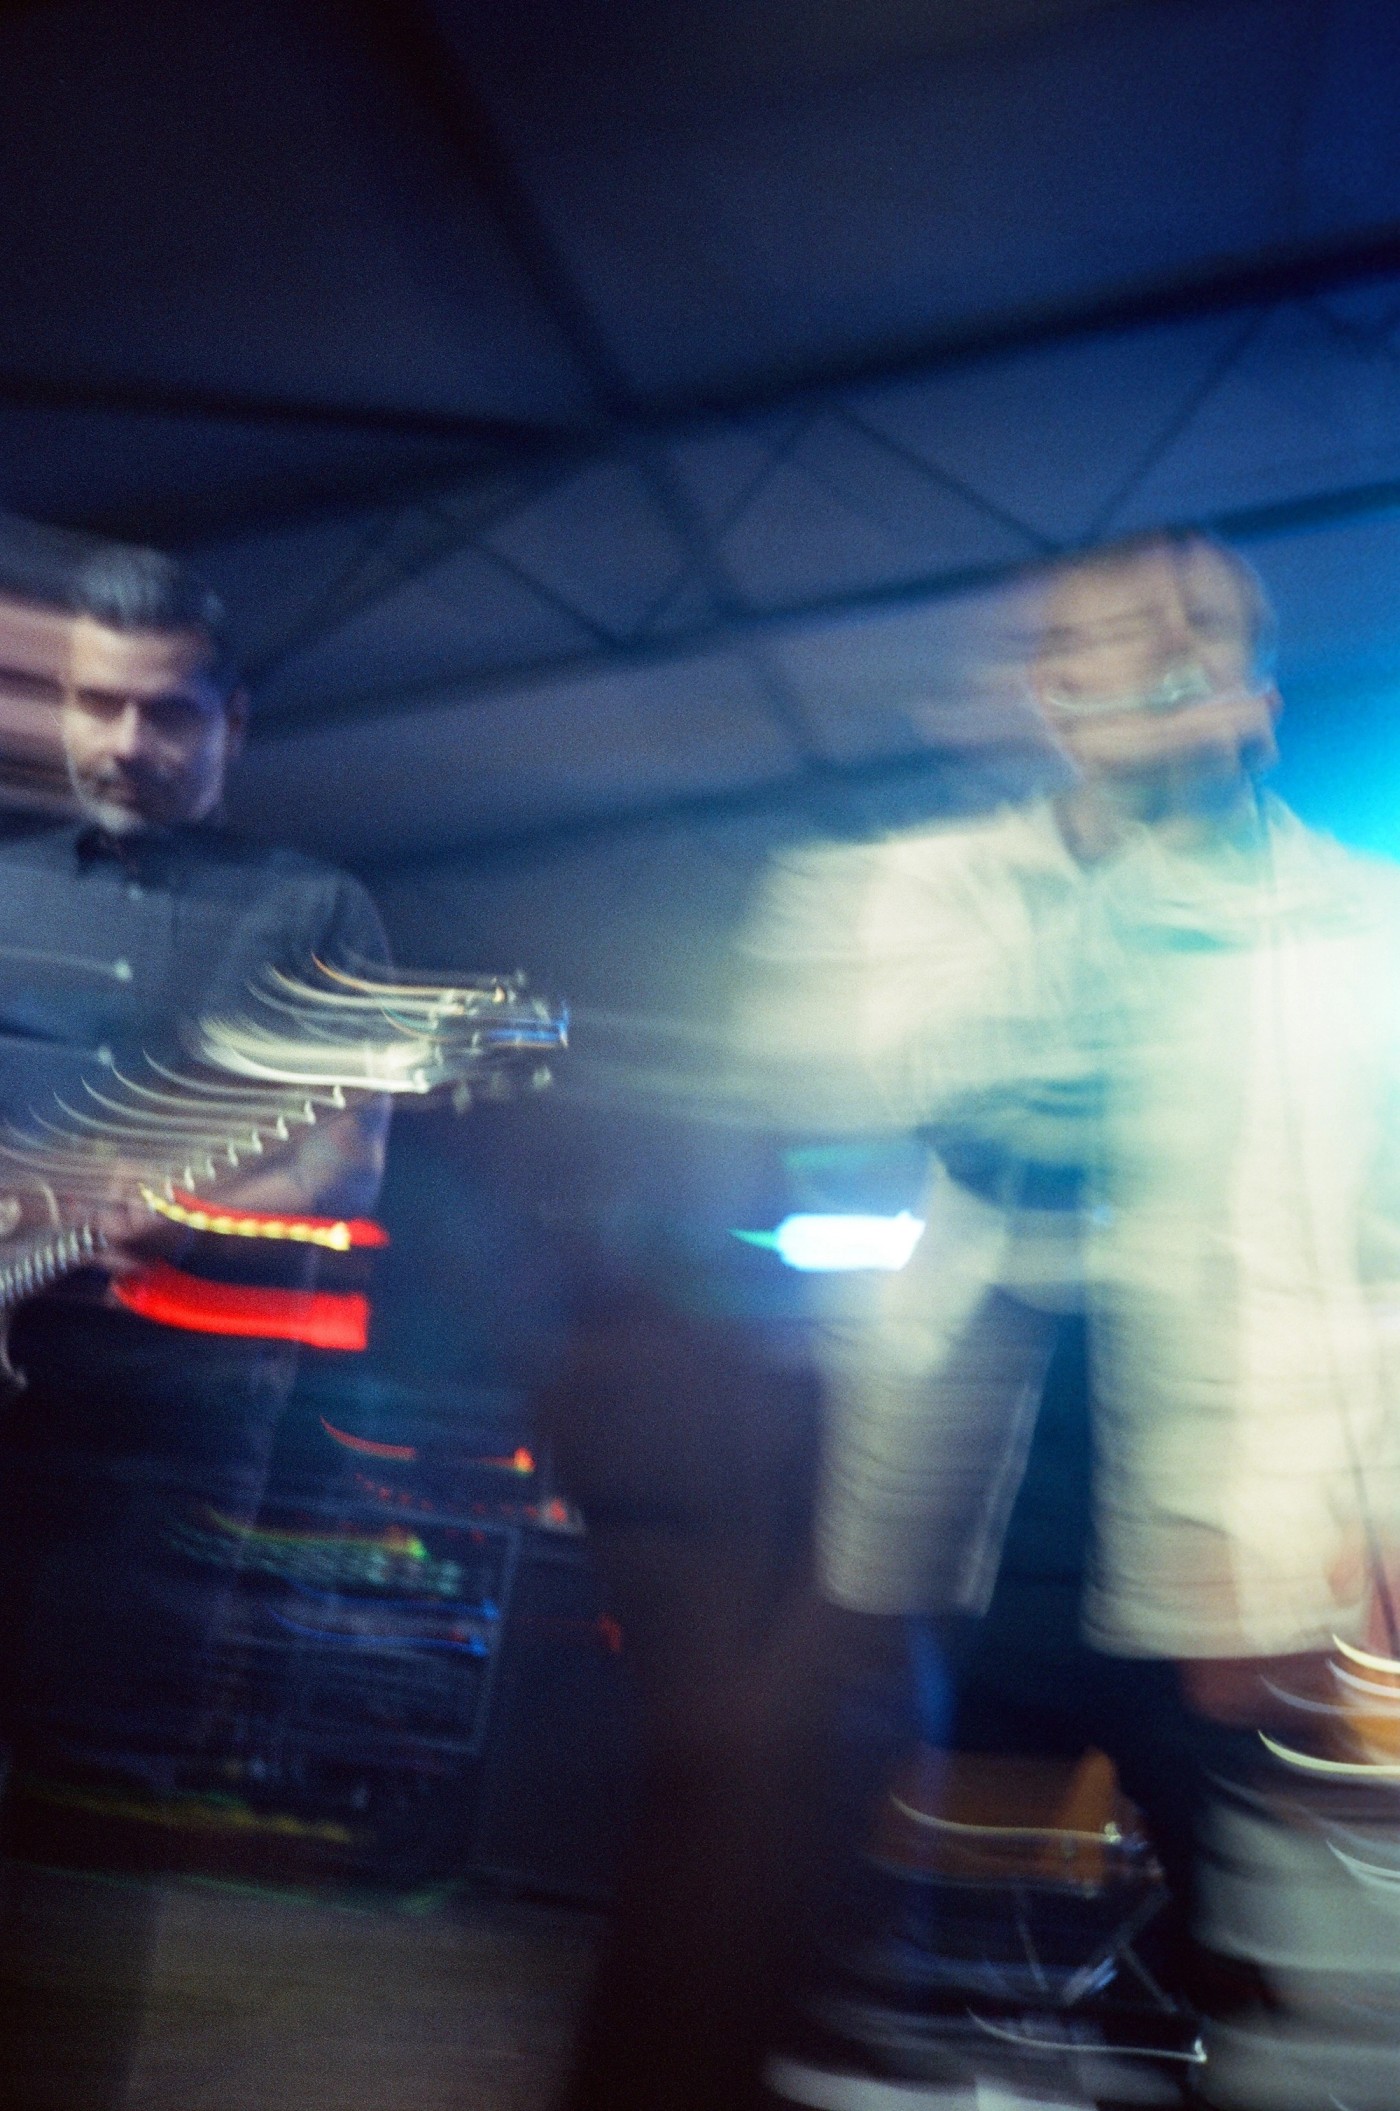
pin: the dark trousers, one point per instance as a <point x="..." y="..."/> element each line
<point x="123" y="1440"/>
<point x="692" y="1458"/>
<point x="108" y="1631"/>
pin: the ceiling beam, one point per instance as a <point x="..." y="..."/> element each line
<point x="1265" y="278"/>
<point x="828" y="792"/>
<point x="136" y="396"/>
<point x="735" y="626"/>
<point x="409" y="44"/>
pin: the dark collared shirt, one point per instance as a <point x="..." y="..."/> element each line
<point x="108" y="948"/>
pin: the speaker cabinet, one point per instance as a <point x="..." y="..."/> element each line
<point x="559" y="1763"/>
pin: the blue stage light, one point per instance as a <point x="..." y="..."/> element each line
<point x="828" y="1244"/>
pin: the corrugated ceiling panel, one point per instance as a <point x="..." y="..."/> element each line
<point x="458" y="620"/>
<point x="1303" y="411"/>
<point x="840" y="511"/>
<point x="504" y="763"/>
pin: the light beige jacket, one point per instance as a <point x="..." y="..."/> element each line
<point x="1216" y="1039"/>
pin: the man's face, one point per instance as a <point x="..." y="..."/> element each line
<point x="1145" y="674"/>
<point x="147" y="737"/>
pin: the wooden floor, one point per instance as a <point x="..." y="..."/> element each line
<point x="190" y="1997"/>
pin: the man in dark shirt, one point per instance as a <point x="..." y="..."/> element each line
<point x="122" y="921"/>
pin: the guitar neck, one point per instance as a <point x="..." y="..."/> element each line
<point x="35" y="1262"/>
<point x="249" y="1087"/>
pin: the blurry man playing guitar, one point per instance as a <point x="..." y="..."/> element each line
<point x="126" y="912"/>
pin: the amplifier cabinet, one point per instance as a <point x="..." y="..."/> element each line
<point x="559" y="1762"/>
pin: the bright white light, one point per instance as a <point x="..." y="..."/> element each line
<point x="826" y="1244"/>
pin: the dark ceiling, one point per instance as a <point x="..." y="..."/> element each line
<point x="588" y="407"/>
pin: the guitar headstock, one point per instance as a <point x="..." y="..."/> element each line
<point x="412" y="1036"/>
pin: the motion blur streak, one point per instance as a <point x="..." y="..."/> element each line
<point x="321" y="1319"/>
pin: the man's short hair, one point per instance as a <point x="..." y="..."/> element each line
<point x="1260" y="619"/>
<point x="117" y="584"/>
